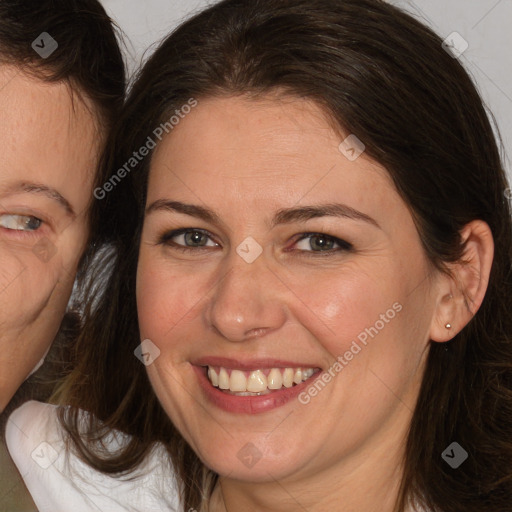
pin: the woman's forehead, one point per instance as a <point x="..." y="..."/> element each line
<point x="241" y="158"/>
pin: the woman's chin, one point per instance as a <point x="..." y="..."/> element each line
<point x="254" y="462"/>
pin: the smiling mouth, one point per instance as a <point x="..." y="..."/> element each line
<point x="257" y="382"/>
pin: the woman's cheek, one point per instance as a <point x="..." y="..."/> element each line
<point x="10" y="270"/>
<point x="339" y="305"/>
<point x="163" y="301"/>
<point x="23" y="276"/>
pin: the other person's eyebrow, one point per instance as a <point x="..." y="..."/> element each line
<point x="39" y="188"/>
<point x="283" y="216"/>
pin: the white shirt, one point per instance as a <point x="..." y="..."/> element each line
<point x="60" y="482"/>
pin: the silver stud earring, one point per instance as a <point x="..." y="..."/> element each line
<point x="448" y="326"/>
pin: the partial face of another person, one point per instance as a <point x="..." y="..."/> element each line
<point x="49" y="156"/>
<point x="277" y="266"/>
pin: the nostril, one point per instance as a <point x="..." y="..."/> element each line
<point x="255" y="333"/>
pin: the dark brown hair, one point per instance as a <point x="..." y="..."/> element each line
<point x="386" y="78"/>
<point x="87" y="55"/>
<point x="89" y="60"/>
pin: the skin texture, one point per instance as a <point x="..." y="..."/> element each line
<point x="245" y="160"/>
<point x="50" y="141"/>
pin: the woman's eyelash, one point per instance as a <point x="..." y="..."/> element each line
<point x="166" y="238"/>
<point x="324" y="240"/>
<point x="325" y="243"/>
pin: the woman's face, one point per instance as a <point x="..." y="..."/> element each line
<point x="49" y="154"/>
<point x="271" y="258"/>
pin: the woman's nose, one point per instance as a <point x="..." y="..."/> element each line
<point x="249" y="301"/>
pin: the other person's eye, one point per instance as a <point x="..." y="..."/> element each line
<point x="20" y="222"/>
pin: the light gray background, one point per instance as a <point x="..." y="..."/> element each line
<point x="484" y="24"/>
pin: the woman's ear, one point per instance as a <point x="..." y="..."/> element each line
<point x="460" y="295"/>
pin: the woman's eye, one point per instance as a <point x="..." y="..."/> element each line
<point x="318" y="242"/>
<point x="189" y="238"/>
<point x="20" y="222"/>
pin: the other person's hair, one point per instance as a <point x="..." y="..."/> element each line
<point x="88" y="58"/>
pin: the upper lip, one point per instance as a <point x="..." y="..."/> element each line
<point x="250" y="364"/>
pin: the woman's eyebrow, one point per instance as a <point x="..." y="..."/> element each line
<point x="283" y="216"/>
<point x="39" y="188"/>
<point x="303" y="213"/>
<point x="188" y="209"/>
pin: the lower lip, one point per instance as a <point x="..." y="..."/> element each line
<point x="249" y="404"/>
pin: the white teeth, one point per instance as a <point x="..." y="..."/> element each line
<point x="237" y="381"/>
<point x="288" y="378"/>
<point x="214" y="378"/>
<point x="306" y="374"/>
<point x="223" y="379"/>
<point x="248" y="393"/>
<point x="274" y="379"/>
<point x="257" y="382"/>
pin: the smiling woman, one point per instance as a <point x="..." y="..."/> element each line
<point x="329" y="221"/>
